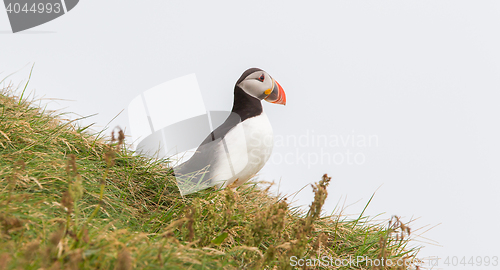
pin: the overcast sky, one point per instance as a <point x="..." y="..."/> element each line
<point x="409" y="90"/>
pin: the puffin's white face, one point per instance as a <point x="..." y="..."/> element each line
<point x="262" y="86"/>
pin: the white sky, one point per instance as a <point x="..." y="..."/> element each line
<point x="423" y="77"/>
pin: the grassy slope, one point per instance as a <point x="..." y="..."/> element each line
<point x="69" y="201"/>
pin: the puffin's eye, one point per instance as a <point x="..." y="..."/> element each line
<point x="261" y="78"/>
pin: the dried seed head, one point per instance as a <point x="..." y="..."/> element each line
<point x="4" y="261"/>
<point x="320" y="240"/>
<point x="30" y="249"/>
<point x="67" y="201"/>
<point x="190" y="222"/>
<point x="320" y="194"/>
<point x="73" y="163"/>
<point x="10" y="223"/>
<point x="325" y="180"/>
<point x="55" y="266"/>
<point x="75" y="258"/>
<point x="121" y="137"/>
<point x="124" y="260"/>
<point x="56" y="236"/>
<point x="21" y="165"/>
<point x="85" y="236"/>
<point x="77" y="188"/>
<point x="109" y="157"/>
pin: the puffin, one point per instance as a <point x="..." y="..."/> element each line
<point x="238" y="149"/>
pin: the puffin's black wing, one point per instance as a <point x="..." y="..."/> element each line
<point x="195" y="174"/>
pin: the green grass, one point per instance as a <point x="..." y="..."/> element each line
<point x="70" y="199"/>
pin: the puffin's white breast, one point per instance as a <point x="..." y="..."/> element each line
<point x="247" y="147"/>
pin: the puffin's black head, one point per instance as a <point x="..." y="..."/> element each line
<point x="256" y="83"/>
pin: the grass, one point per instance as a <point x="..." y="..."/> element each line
<point x="70" y="199"/>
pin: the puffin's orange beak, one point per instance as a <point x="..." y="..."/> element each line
<point x="277" y="96"/>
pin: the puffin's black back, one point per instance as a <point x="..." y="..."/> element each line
<point x="196" y="172"/>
